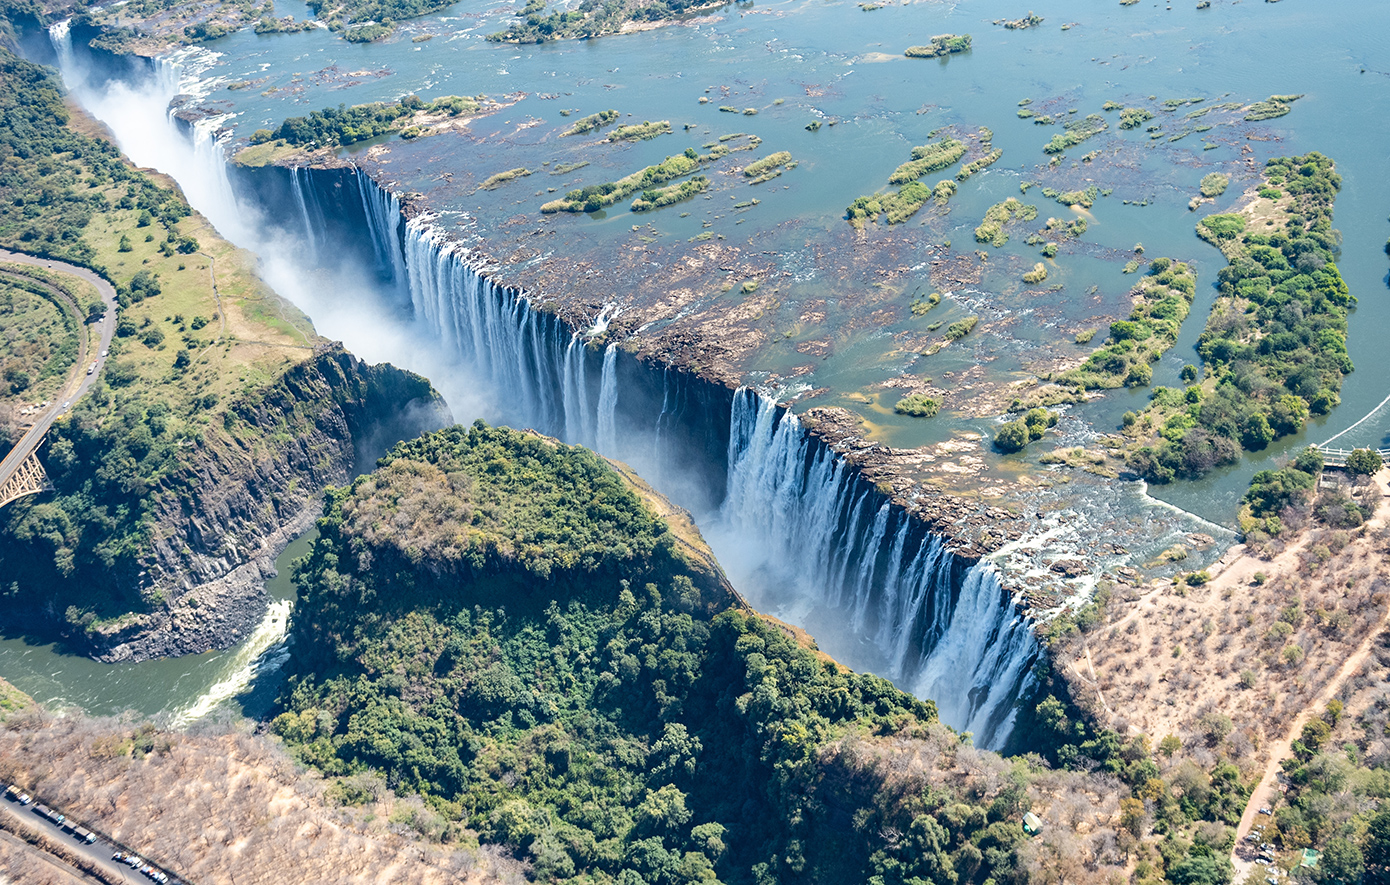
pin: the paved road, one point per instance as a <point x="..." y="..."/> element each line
<point x="80" y="382"/>
<point x="99" y="852"/>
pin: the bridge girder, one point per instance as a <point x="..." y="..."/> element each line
<point x="29" y="479"/>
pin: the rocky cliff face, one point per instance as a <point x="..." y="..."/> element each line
<point x="254" y="486"/>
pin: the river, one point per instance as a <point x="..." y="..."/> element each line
<point x="794" y="62"/>
<point x="182" y="690"/>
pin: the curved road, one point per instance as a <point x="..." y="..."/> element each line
<point x="80" y="382"/>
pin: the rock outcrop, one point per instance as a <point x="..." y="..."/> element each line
<point x="256" y="485"/>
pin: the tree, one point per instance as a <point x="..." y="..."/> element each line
<point x="1132" y="816"/>
<point x="1341" y="863"/>
<point x="1012" y="437"/>
<point x="1376" y="849"/>
<point x="1364" y="462"/>
<point x="1257" y="434"/>
<point x="1202" y="870"/>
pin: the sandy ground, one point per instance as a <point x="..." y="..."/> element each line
<point x="1241" y="662"/>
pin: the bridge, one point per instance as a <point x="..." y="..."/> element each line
<point x="1338" y="457"/>
<point x="21" y="472"/>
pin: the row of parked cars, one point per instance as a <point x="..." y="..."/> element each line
<point x="135" y="863"/>
<point x="82" y="834"/>
<point x="79" y="832"/>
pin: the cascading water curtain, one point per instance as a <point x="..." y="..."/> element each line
<point x="947" y="629"/>
<point x="539" y="373"/>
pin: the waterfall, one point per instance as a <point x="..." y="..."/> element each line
<point x="303" y="208"/>
<point x="942" y="627"/>
<point x="796" y="512"/>
<point x="608" y="401"/>
<point x="382" y="209"/>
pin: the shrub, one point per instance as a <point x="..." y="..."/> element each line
<point x="918" y="405"/>
<point x="1364" y="462"/>
<point x="960" y="328"/>
<point x="1012" y="437"/>
<point x="1214" y="184"/>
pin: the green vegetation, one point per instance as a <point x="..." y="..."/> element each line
<point x="926" y="158"/>
<point x="1162" y="300"/>
<point x="768" y="167"/>
<point x="1214" y="184"/>
<point x="913" y="195"/>
<point x="1133" y="118"/>
<point x="1275" y="106"/>
<point x="922" y="306"/>
<point x="979" y="165"/>
<point x="998" y="216"/>
<point x="592" y="123"/>
<point x="39" y="340"/>
<point x="598" y="196"/>
<point x="1014" y="435"/>
<point x="362" y="21"/>
<point x="1077" y="131"/>
<point x="669" y="196"/>
<point x="343" y="125"/>
<point x="942" y="45"/>
<point x="592" y="19"/>
<point x="1037" y="274"/>
<point x="495" y="181"/>
<point x="640" y="131"/>
<point x="918" y="405"/>
<point x="1086" y="199"/>
<point x="187" y="364"/>
<point x="1275" y="344"/>
<point x="960" y="328"/>
<point x="1031" y="20"/>
<point x="572" y="679"/>
<point x="567" y="168"/>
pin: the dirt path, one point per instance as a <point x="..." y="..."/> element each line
<point x="1267" y="790"/>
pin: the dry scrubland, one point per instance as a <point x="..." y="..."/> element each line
<point x="1229" y="665"/>
<point x="1082" y="841"/>
<point x="217" y="805"/>
<point x="21" y="863"/>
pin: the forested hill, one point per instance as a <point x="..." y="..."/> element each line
<point x="499" y="622"/>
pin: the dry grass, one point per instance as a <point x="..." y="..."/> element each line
<point x="217" y="805"/>
<point x="21" y="862"/>
<point x="1256" y="644"/>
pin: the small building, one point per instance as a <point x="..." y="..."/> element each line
<point x="1310" y="858"/>
<point x="1032" y="824"/>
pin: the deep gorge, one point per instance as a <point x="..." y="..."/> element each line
<point x="798" y="526"/>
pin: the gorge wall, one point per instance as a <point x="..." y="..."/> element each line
<point x="801" y="529"/>
<point x="797" y="523"/>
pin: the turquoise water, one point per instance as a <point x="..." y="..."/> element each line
<point x="173" y="686"/>
<point x="833" y="61"/>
